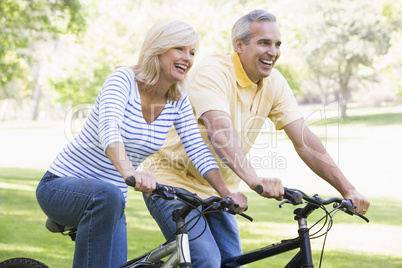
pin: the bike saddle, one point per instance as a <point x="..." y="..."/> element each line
<point x="54" y="227"/>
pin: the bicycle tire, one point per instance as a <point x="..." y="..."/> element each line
<point x="22" y="263"/>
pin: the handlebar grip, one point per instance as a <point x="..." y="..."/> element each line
<point x="130" y="181"/>
<point x="259" y="189"/>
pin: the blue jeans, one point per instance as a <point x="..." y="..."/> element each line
<point x="96" y="208"/>
<point x="220" y="239"/>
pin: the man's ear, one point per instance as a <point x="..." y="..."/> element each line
<point x="239" y="45"/>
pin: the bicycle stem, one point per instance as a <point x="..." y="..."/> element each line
<point x="183" y="247"/>
<point x="304" y="234"/>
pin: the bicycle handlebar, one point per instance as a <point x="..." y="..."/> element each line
<point x="292" y="196"/>
<point x="213" y="203"/>
<point x="297" y="197"/>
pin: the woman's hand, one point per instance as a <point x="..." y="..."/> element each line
<point x="144" y="181"/>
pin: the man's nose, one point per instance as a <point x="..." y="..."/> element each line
<point x="272" y="50"/>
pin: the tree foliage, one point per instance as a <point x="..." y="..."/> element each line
<point x="341" y="37"/>
<point x="124" y="25"/>
<point x="391" y="64"/>
<point x="338" y="39"/>
<point x="24" y="22"/>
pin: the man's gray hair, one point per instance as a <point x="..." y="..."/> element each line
<point x="241" y="28"/>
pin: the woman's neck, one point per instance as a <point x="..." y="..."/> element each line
<point x="157" y="91"/>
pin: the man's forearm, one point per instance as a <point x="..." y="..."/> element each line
<point x="317" y="158"/>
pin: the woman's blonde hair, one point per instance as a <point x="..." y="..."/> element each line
<point x="160" y="38"/>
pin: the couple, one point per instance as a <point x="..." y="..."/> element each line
<point x="132" y="119"/>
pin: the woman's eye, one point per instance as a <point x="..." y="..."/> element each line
<point x="179" y="48"/>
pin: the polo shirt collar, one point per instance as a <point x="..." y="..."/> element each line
<point x="241" y="76"/>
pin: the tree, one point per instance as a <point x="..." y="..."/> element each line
<point x="23" y="24"/>
<point x="391" y="64"/>
<point x="340" y="37"/>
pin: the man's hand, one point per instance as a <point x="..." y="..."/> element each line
<point x="362" y="204"/>
<point x="271" y="187"/>
<point x="239" y="199"/>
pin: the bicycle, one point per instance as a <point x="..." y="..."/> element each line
<point x="303" y="257"/>
<point x="178" y="248"/>
<point x="175" y="250"/>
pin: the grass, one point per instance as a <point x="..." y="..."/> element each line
<point x="23" y="232"/>
<point x="361" y="117"/>
<point x="22" y="223"/>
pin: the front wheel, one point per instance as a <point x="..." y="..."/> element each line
<point x="22" y="263"/>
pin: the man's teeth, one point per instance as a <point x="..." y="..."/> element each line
<point x="269" y="62"/>
<point x="182" y="67"/>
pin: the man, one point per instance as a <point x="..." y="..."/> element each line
<point x="232" y="95"/>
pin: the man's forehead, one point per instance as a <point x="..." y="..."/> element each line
<point x="265" y="30"/>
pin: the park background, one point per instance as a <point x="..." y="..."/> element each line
<point x="341" y="58"/>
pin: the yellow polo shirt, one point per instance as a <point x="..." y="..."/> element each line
<point x="219" y="82"/>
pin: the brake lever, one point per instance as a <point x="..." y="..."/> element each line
<point x="166" y="192"/>
<point x="231" y="208"/>
<point x="284" y="202"/>
<point x="348" y="207"/>
<point x="245" y="216"/>
<point x="293" y="197"/>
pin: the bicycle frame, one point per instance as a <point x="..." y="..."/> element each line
<point x="157" y="254"/>
<point x="178" y="249"/>
<point x="302" y="259"/>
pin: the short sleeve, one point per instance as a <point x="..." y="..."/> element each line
<point x="208" y="86"/>
<point x="192" y="141"/>
<point x="285" y="109"/>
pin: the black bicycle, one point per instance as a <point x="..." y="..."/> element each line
<point x="303" y="257"/>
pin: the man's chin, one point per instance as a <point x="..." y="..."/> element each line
<point x="265" y="74"/>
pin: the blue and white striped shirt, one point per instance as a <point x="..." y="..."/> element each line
<point x="117" y="116"/>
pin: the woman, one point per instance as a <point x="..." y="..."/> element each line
<point x="85" y="185"/>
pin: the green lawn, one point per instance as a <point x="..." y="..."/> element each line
<point x="363" y="117"/>
<point x="23" y="232"/>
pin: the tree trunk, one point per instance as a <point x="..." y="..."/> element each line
<point x="344" y="100"/>
<point x="343" y="110"/>
<point x="36" y="100"/>
<point x="3" y="109"/>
